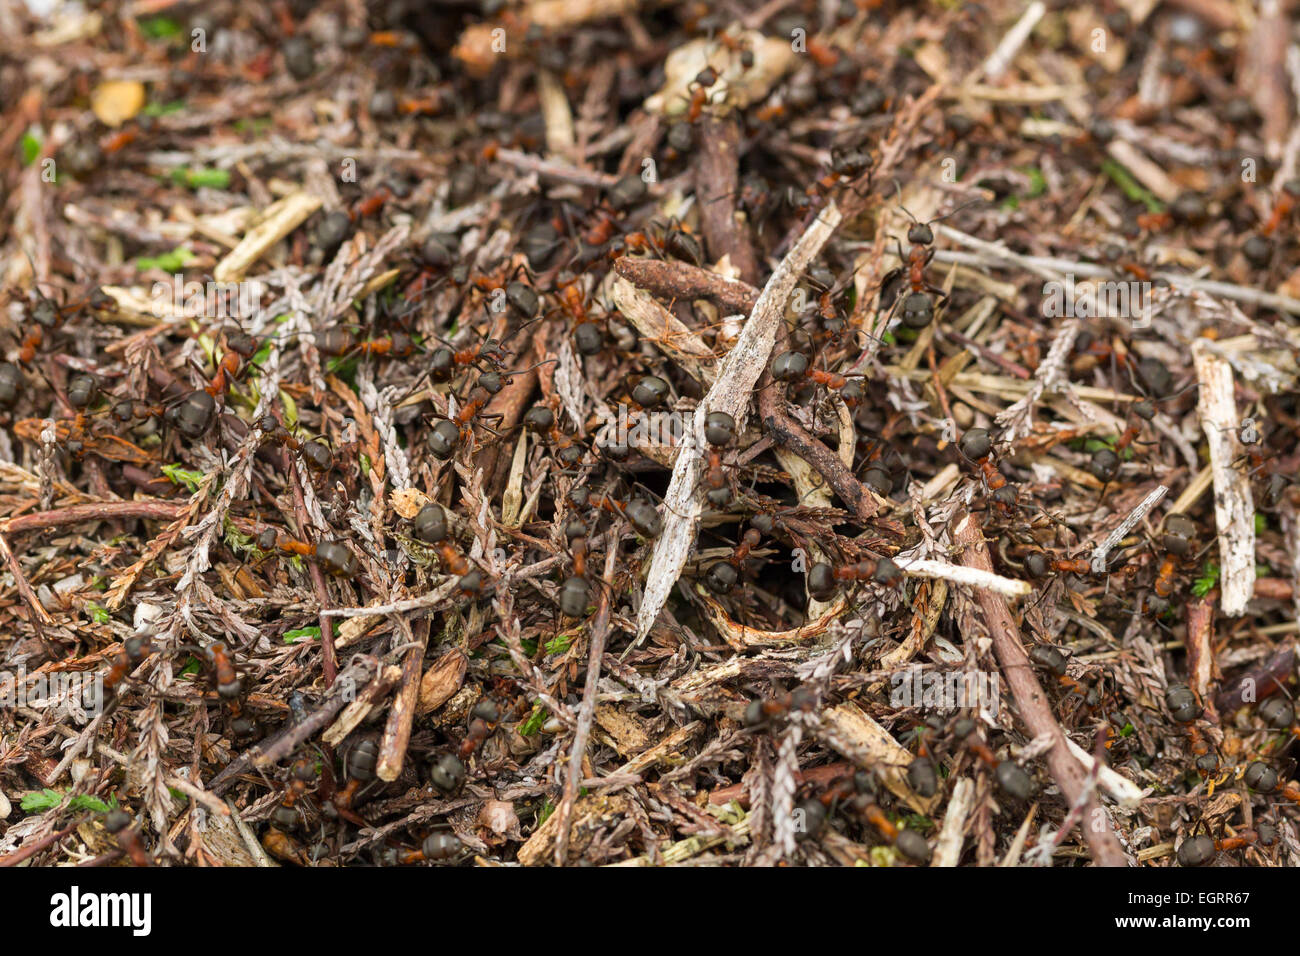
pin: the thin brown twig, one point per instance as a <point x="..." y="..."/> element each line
<point x="1033" y="702"/>
<point x="586" y="712"/>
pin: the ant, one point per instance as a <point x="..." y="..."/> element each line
<point x="642" y="515"/>
<point x="238" y="349"/>
<point x="436" y="847"/>
<point x="1264" y="463"/>
<point x="1178" y="539"/>
<point x="340" y="342"/>
<point x="976" y="446"/>
<point x="46" y="315"/>
<point x="722" y="576"/>
<point x="574" y="592"/>
<point x="699" y="92"/>
<point x="484" y="720"/>
<point x="431" y="527"/>
<point x="762" y="710"/>
<point x="791" y="366"/>
<point x="540" y="420"/>
<point x="1200" y="850"/>
<point x="1104" y="464"/>
<point x="333" y="556"/>
<point x="858" y="792"/>
<point x="1279" y="713"/>
<point x="118" y="822"/>
<point x="448" y="772"/>
<point x="587" y="335"/>
<point x="134" y="651"/>
<point x="719" y="431"/>
<point x="1052" y="660"/>
<point x="1287" y="201"/>
<point x="443" y="360"/>
<point x="316" y="454"/>
<point x="230" y="687"/>
<point x="1184" y="708"/>
<point x="920" y="304"/>
<point x="823" y="578"/>
<point x="359" y="763"/>
<point x="302" y="777"/>
<point x="449" y="433"/>
<point x="845" y="166"/>
<point x="370" y="205"/>
<point x="1010" y="776"/>
<point x="520" y="297"/>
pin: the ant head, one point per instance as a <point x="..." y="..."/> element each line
<point x="920" y="234"/>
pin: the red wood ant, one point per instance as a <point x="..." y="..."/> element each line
<point x="719" y="431"/>
<point x="722" y="576"/>
<point x="762" y="710"/>
<point x="976" y="446"/>
<point x="1178" y="539"/>
<point x="919" y="305"/>
<point x="642" y="515"/>
<point x="316" y="454"/>
<point x="574" y="592"/>
<point x="302" y="778"/>
<point x="791" y="366"/>
<point x="1185" y="709"/>
<point x="333" y="556"/>
<point x="1286" y="203"/>
<point x="1201" y="849"/>
<point x="340" y="342"/>
<point x="699" y="92"/>
<point x="135" y="650"/>
<point x="1009" y="775"/>
<point x="823" y="578"/>
<point x="430" y="526"/>
<point x="436" y="848"/>
<point x="118" y="822"/>
<point x="541" y="421"/>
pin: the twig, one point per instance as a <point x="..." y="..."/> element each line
<point x="586" y="712"/>
<point x="99" y="511"/>
<point x="1234" y="506"/>
<point x="1032" y="701"/>
<point x="1100" y="552"/>
<point x="397" y="732"/>
<point x="678" y="280"/>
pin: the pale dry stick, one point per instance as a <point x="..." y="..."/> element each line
<point x="328" y="665"/>
<point x="359" y="709"/>
<point x="432" y="599"/>
<point x="1119" y="788"/>
<point x="970" y="577"/>
<point x="279" y="220"/>
<point x="947" y="848"/>
<point x="1291" y="528"/>
<point x="199" y="795"/>
<point x="401" y="716"/>
<point x="1234" y="506"/>
<point x="1050" y="267"/>
<point x="586" y="712"/>
<point x="731" y="393"/>
<point x="1100" y="552"/>
<point x="1000" y="60"/>
<point x="1032" y="701"/>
